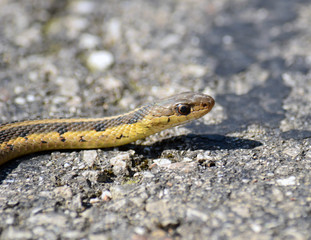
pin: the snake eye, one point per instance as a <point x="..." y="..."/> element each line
<point x="183" y="109"/>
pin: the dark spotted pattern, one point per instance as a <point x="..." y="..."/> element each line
<point x="24" y="134"/>
<point x="81" y="139"/>
<point x="121" y="136"/>
<point x="10" y="146"/>
<point x="135" y="117"/>
<point x="61" y="129"/>
<point x="100" y="127"/>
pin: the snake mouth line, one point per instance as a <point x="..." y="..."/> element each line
<point x="20" y="138"/>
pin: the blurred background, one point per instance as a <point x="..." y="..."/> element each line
<point x="244" y="173"/>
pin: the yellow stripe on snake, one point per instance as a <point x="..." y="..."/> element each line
<point x="21" y="138"/>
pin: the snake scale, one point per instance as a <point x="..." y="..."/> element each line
<point x="25" y="137"/>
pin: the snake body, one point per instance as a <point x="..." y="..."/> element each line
<point x="25" y="137"/>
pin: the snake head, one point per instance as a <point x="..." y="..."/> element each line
<point x="179" y="109"/>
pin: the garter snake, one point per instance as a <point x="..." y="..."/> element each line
<point x="25" y="137"/>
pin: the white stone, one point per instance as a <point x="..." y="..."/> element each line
<point x="106" y="195"/>
<point x="287" y="181"/>
<point x="89" y="156"/>
<point x="119" y="163"/>
<point x="120" y="157"/>
<point x="147" y="174"/>
<point x="187" y="159"/>
<point x="170" y="40"/>
<point x="194" y="70"/>
<point x="99" y="60"/>
<point x="63" y="191"/>
<point x="82" y="7"/>
<point x="114" y="30"/>
<point x="110" y="83"/>
<point x="193" y="214"/>
<point x="18" y="89"/>
<point x="31" y="98"/>
<point x="88" y="41"/>
<point x="20" y="100"/>
<point x="256" y="227"/>
<point x="162" y="162"/>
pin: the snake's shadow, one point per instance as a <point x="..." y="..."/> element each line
<point x="193" y="142"/>
<point x="184" y="142"/>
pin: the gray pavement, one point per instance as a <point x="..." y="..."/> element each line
<point x="241" y="172"/>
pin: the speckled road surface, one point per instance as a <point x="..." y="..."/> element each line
<point x="241" y="172"/>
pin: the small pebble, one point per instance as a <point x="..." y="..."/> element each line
<point x="186" y="159"/>
<point x="89" y="157"/>
<point x="170" y="40"/>
<point x="91" y="175"/>
<point x="106" y="196"/>
<point x="18" y="90"/>
<point x="63" y="191"/>
<point x="99" y="60"/>
<point x="82" y="7"/>
<point x="30" y="98"/>
<point x="88" y="41"/>
<point x="111" y="83"/>
<point x="94" y="200"/>
<point x="147" y="174"/>
<point x="20" y="100"/>
<point x="114" y="30"/>
<point x="287" y="181"/>
<point x="256" y="227"/>
<point x="193" y="70"/>
<point x="196" y="214"/>
<point x="162" y="162"/>
<point x="119" y="163"/>
<point x="66" y="165"/>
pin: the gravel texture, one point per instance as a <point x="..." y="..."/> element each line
<point x="241" y="172"/>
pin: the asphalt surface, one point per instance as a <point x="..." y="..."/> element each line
<point x="241" y="172"/>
